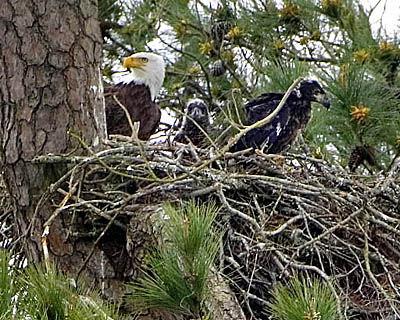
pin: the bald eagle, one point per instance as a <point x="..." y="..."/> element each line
<point x="281" y="132"/>
<point x="195" y="123"/>
<point x="137" y="93"/>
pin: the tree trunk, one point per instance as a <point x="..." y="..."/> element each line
<point x="51" y="92"/>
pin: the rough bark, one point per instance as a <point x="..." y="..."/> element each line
<point x="50" y="90"/>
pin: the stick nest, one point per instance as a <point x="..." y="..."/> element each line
<point x="283" y="215"/>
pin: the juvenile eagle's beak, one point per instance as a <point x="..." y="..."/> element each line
<point x="197" y="113"/>
<point x="132" y="62"/>
<point x="323" y="99"/>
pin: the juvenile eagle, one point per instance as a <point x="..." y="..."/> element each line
<point x="279" y="134"/>
<point x="136" y="92"/>
<point x="194" y="124"/>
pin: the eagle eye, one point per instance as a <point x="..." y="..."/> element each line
<point x="144" y="60"/>
<point x="319" y="91"/>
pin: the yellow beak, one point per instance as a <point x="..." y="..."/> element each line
<point x="132" y="62"/>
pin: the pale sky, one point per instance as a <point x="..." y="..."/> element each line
<point x="389" y="10"/>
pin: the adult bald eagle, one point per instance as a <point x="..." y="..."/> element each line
<point x="195" y="123"/>
<point x="281" y="132"/>
<point x="137" y="93"/>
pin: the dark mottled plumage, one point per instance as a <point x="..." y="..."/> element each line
<point x="137" y="100"/>
<point x="278" y="135"/>
<point x="359" y="155"/>
<point x="196" y="116"/>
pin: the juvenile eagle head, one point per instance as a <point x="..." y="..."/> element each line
<point x="195" y="123"/>
<point x="198" y="111"/>
<point x="146" y="68"/>
<point x="312" y="91"/>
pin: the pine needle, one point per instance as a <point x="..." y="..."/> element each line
<point x="179" y="270"/>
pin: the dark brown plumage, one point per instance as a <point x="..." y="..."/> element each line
<point x="137" y="100"/>
<point x="359" y="155"/>
<point x="136" y="93"/>
<point x="281" y="131"/>
<point x="195" y="125"/>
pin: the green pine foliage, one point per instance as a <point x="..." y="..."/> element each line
<point x="126" y="28"/>
<point x="179" y="270"/>
<point x="303" y="300"/>
<point x="265" y="45"/>
<point x="283" y="73"/>
<point x="7" y="286"/>
<point x="38" y="294"/>
<point x="48" y="295"/>
<point x="109" y="10"/>
<point x="365" y="111"/>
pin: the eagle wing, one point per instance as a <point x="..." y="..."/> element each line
<point x="277" y="135"/>
<point x="137" y="100"/>
<point x="149" y="121"/>
<point x="261" y="107"/>
<point x="269" y="137"/>
<point x="115" y="116"/>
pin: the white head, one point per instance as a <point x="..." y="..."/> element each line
<point x="146" y="68"/>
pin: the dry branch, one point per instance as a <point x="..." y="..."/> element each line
<point x="295" y="215"/>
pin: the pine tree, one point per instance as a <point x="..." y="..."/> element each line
<point x="226" y="54"/>
<point x="230" y="52"/>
